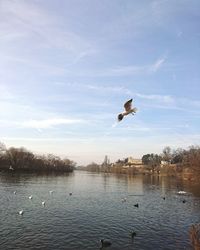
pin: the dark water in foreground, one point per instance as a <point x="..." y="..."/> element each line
<point x="95" y="211"/>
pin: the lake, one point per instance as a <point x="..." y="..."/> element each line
<point x="95" y="210"/>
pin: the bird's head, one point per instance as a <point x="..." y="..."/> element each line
<point x="120" y="117"/>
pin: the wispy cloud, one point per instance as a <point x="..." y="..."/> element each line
<point x="66" y="70"/>
<point x="117" y="89"/>
<point x="160" y="101"/>
<point x="157" y="65"/>
<point x="24" y="22"/>
<point x="49" y="123"/>
<point x="161" y="98"/>
<point x="150" y="68"/>
<point x="127" y="70"/>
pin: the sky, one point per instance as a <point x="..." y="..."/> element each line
<point x="67" y="67"/>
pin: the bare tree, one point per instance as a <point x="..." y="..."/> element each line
<point x="167" y="154"/>
<point x="22" y="159"/>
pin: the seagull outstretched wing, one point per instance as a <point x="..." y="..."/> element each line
<point x="128" y="105"/>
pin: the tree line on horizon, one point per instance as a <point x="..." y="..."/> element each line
<point x="181" y="158"/>
<point x="173" y="160"/>
<point x="20" y="159"/>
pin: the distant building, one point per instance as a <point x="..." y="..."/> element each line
<point x="134" y="162"/>
<point x="164" y="163"/>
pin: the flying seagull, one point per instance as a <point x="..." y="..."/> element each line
<point x="128" y="110"/>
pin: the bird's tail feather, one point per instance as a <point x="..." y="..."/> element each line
<point x="135" y="110"/>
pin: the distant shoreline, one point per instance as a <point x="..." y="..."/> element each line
<point x="21" y="160"/>
<point x="186" y="174"/>
<point x="32" y="171"/>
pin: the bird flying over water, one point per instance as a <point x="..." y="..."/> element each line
<point x="128" y="110"/>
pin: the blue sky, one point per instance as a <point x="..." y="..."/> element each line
<point x="68" y="66"/>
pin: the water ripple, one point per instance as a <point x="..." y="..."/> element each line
<point x="94" y="211"/>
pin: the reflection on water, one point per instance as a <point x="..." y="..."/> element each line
<point x="95" y="210"/>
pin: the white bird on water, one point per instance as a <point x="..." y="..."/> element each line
<point x="181" y="192"/>
<point x="128" y="110"/>
<point x="11" y="168"/>
<point x="124" y="199"/>
<point x="21" y="212"/>
<point x="30" y="197"/>
<point x="43" y="203"/>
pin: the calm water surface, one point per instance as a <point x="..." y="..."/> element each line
<point x="95" y="210"/>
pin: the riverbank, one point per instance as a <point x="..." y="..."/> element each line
<point x="170" y="170"/>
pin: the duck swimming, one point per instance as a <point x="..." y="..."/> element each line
<point x="105" y="243"/>
<point x="133" y="234"/>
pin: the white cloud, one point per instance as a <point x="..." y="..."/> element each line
<point x="23" y="22"/>
<point x="25" y="11"/>
<point x="161" y="98"/>
<point x="118" y="89"/>
<point x="157" y="65"/>
<point x="49" y="123"/>
<point x="127" y="70"/>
